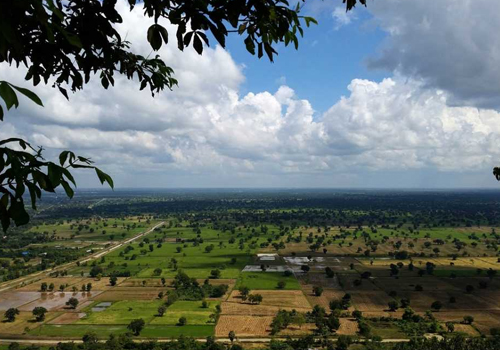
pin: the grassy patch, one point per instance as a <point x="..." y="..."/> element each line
<point x="386" y="330"/>
<point x="77" y="331"/>
<point x="266" y="280"/>
<point x="457" y="272"/>
<point x="191" y="310"/>
<point x="176" y="331"/>
<point x="123" y="312"/>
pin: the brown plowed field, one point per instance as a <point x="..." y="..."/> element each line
<point x="229" y="308"/>
<point x="347" y="327"/>
<point x="279" y="298"/>
<point x="324" y="299"/>
<point x="243" y="326"/>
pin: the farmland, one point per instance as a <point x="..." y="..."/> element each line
<point x="260" y="269"/>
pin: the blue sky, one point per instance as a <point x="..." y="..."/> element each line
<point x="327" y="60"/>
<point x="400" y="94"/>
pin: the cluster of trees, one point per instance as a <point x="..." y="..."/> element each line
<point x="326" y="323"/>
<point x="413" y="324"/>
<point x="285" y="318"/>
<point x="15" y="263"/>
<point x="253" y="298"/>
<point x="38" y="312"/>
<point x="341" y="304"/>
<point x="187" y="288"/>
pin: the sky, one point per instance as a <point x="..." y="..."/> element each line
<point x="400" y="94"/>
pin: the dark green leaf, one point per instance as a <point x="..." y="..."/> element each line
<point x="163" y="33"/>
<point x="69" y="176"/>
<point x="67" y="188"/>
<point x="29" y="94"/>
<point x="250" y="45"/>
<point x="197" y="44"/>
<point x="154" y="37"/>
<point x="310" y="20"/>
<point x="104" y="82"/>
<point x="8" y="95"/>
<point x="33" y="194"/>
<point x="18" y="213"/>
<point x="103" y="177"/>
<point x="64" y="92"/>
<point x="63" y="157"/>
<point x="54" y="174"/>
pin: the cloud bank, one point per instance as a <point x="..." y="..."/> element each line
<point x="205" y="133"/>
<point x="450" y="45"/>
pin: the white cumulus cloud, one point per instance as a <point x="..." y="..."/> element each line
<point x="207" y="133"/>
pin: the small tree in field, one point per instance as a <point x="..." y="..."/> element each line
<point x="281" y="285"/>
<point x="468" y="319"/>
<point x="299" y="319"/>
<point x="318" y="290"/>
<point x="215" y="274"/>
<point x="136" y="326"/>
<point x="72" y="303"/>
<point x="329" y="272"/>
<point x="393" y="305"/>
<point x="244" y="292"/>
<point x="358" y="315"/>
<point x="161" y="310"/>
<point x="437" y="305"/>
<point x="182" y="321"/>
<point x="450" y="326"/>
<point x="364" y="329"/>
<point x="113" y="280"/>
<point x="255" y="298"/>
<point x="90" y="338"/>
<point x="10" y="314"/>
<point x="231" y="336"/>
<point x="343" y="342"/>
<point x="39" y="313"/>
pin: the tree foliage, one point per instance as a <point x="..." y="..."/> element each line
<point x="69" y="42"/>
<point x="10" y="314"/>
<point x="26" y="171"/>
<point x="136" y="326"/>
<point x="39" y="313"/>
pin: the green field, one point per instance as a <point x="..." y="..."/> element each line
<point x="141" y="261"/>
<point x="123" y="312"/>
<point x="191" y="310"/>
<point x="266" y="280"/>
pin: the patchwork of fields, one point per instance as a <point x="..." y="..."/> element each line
<point x="286" y="278"/>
